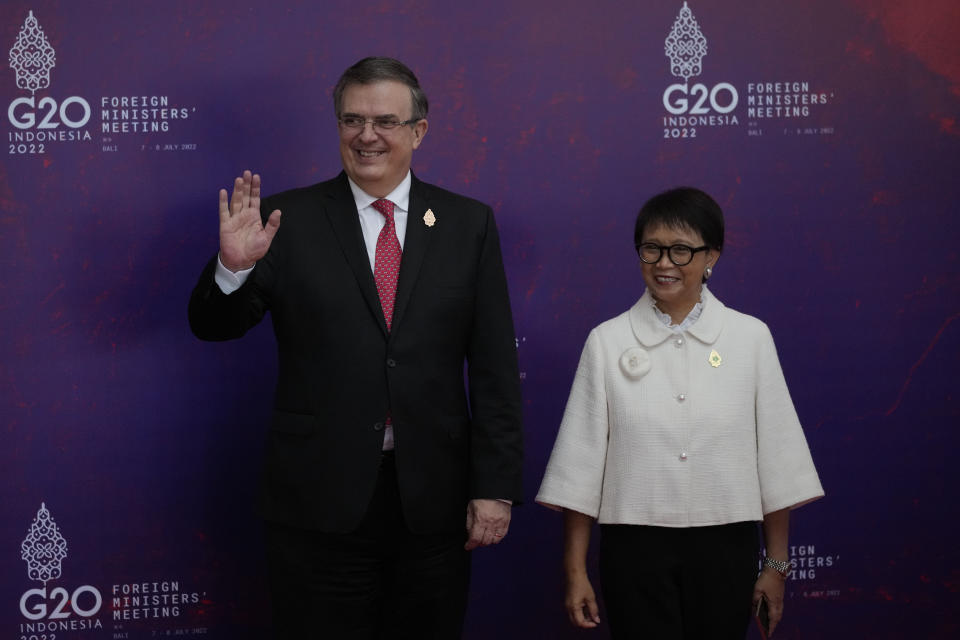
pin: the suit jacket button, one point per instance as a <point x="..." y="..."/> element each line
<point x="391" y="362"/>
<point x="378" y="426"/>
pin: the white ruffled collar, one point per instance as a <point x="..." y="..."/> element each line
<point x="650" y="329"/>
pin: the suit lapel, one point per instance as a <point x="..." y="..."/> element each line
<point x="341" y="210"/>
<point x="415" y="246"/>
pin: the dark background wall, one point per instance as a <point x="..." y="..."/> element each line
<point x="143" y="443"/>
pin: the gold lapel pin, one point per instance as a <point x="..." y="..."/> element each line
<point x="715" y="359"/>
<point x="429" y="219"/>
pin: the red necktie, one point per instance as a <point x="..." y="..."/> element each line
<point x="387" y="262"/>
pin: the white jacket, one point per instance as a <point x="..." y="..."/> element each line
<point x="655" y="434"/>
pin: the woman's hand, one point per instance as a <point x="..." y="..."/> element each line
<point x="581" y="602"/>
<point x="770" y="585"/>
<point x="771" y="582"/>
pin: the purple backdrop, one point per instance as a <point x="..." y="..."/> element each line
<point x="827" y="130"/>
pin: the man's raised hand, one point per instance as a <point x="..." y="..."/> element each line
<point x="243" y="237"/>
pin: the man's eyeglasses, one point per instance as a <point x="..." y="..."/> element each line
<point x="679" y="254"/>
<point x="379" y="124"/>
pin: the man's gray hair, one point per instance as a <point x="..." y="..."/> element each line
<point x="370" y="70"/>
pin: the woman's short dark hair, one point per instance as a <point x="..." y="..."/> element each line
<point x="683" y="207"/>
<point x="370" y="70"/>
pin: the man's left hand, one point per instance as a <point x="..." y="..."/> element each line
<point x="487" y="522"/>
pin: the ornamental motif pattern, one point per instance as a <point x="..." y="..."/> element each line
<point x="44" y="548"/>
<point x="32" y="57"/>
<point x="686" y="45"/>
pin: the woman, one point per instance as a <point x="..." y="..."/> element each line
<point x="678" y="436"/>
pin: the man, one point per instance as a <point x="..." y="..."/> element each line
<point x="380" y="287"/>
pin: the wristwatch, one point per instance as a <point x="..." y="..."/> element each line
<point x="780" y="566"/>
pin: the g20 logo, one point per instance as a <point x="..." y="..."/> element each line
<point x="46" y="117"/>
<point x="697" y="105"/>
<point x="36" y="604"/>
<point x="32" y="58"/>
<point x="722" y="98"/>
<point x="22" y="113"/>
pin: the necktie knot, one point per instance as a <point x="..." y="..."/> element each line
<point x="385" y="207"/>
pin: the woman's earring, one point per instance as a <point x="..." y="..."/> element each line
<point x="707" y="273"/>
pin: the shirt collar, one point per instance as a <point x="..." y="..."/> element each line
<point x="400" y="196"/>
<point x="686" y="323"/>
<point x="651" y="331"/>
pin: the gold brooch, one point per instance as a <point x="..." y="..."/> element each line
<point x="429" y="219"/>
<point x="715" y="359"/>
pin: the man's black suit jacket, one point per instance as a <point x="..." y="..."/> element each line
<point x="341" y="371"/>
